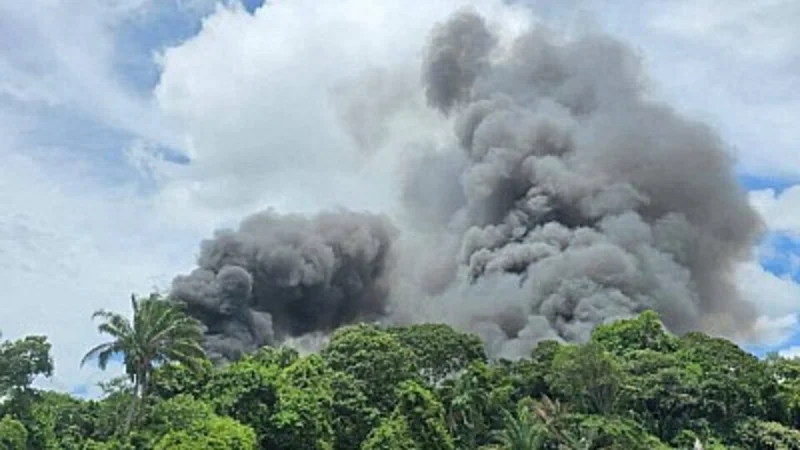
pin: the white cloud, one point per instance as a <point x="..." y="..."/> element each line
<point x="777" y="300"/>
<point x="790" y="352"/>
<point x="741" y="58"/>
<point x="65" y="54"/>
<point x="776" y="296"/>
<point x="72" y="237"/>
<point x="773" y="332"/>
<point x="763" y="30"/>
<point x="68" y="246"/>
<point x="253" y="95"/>
<point x="731" y="63"/>
<point x="781" y="211"/>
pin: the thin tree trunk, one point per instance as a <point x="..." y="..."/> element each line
<point x="145" y="384"/>
<point x="139" y="388"/>
<point x="126" y="428"/>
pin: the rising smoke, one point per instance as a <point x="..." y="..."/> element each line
<point x="567" y="198"/>
<point x="282" y="276"/>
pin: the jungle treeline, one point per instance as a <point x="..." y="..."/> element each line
<point x="632" y="386"/>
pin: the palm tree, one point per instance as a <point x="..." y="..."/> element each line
<point x="521" y="430"/>
<point x="551" y="414"/>
<point x="160" y="332"/>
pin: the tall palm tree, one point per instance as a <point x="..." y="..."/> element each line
<point x="160" y="332"/>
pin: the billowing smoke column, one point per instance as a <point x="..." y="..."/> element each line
<point x="600" y="203"/>
<point x="285" y="275"/>
<point x="571" y="198"/>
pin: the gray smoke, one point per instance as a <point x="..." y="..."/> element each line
<point x="281" y="276"/>
<point x="567" y="199"/>
<point x="597" y="202"/>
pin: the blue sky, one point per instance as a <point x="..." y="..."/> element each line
<point x="129" y="129"/>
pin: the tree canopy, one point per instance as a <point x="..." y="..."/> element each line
<point x="631" y="386"/>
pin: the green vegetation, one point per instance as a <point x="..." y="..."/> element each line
<point x="632" y="386"/>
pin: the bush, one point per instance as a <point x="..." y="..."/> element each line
<point x="13" y="435"/>
<point x="218" y="433"/>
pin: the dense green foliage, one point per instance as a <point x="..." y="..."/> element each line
<point x="159" y="332"/>
<point x="632" y="386"/>
<point x="21" y="361"/>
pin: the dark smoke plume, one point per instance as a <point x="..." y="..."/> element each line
<point x="280" y="276"/>
<point x="567" y="199"/>
<point x="599" y="203"/>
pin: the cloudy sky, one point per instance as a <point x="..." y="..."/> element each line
<point x="130" y="129"/>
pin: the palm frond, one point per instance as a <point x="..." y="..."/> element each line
<point x="183" y="353"/>
<point x="168" y="323"/>
<point x="158" y="332"/>
<point x="521" y="432"/>
<point x="104" y="356"/>
<point x="94" y="352"/>
<point x="114" y="324"/>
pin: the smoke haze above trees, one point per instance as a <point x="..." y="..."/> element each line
<point x="546" y="195"/>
